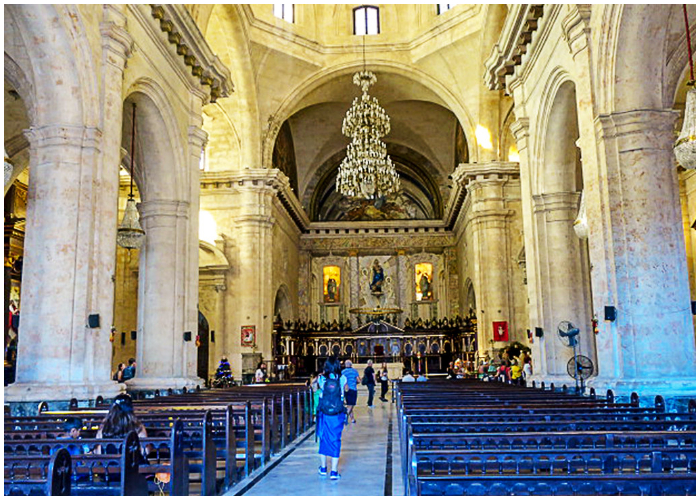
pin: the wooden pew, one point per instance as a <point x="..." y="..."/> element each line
<point x="38" y="475"/>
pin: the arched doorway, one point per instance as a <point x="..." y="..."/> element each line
<point x="202" y="347"/>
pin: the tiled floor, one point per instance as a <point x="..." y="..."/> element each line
<point x="362" y="460"/>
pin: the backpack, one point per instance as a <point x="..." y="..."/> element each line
<point x="331" y="402"/>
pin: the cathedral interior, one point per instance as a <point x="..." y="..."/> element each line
<point x="179" y="188"/>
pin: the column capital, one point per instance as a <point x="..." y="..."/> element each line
<point x="468" y="174"/>
<point x="521" y="131"/>
<point x="197" y="137"/>
<point x="116" y="40"/>
<point x="639" y="129"/>
<point x="163" y="208"/>
<point x="551" y="202"/>
<point x="63" y="136"/>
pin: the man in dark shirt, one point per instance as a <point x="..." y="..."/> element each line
<point x="369" y="381"/>
<point x="130" y="371"/>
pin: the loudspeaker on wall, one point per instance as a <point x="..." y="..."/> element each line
<point x="539" y="332"/>
<point x="133" y="335"/>
<point x="610" y="313"/>
<point x="94" y="321"/>
<point x="187" y="336"/>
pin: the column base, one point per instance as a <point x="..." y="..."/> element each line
<point x="22" y="392"/>
<point x="153" y="383"/>
<point x="684" y="387"/>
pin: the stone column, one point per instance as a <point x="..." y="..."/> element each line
<point x="197" y="139"/>
<point x="354" y="260"/>
<point x="650" y="347"/>
<point x="564" y="292"/>
<point x="488" y="221"/>
<point x="403" y="297"/>
<point x="251" y="287"/>
<point x="59" y="357"/>
<point x="161" y="349"/>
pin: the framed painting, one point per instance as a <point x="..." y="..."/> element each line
<point x="248" y="336"/>
<point x="500" y="331"/>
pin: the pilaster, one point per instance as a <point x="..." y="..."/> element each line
<point x="489" y="229"/>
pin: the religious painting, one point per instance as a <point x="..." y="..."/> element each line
<point x="500" y="331"/>
<point x="248" y="336"/>
<point x="331" y="284"/>
<point x="424" y="281"/>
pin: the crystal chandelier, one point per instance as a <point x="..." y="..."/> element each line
<point x="129" y="233"/>
<point x="367" y="171"/>
<point x="684" y="148"/>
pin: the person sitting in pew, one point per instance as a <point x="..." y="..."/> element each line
<point x="72" y="427"/>
<point x="421" y="377"/>
<point x="408" y="376"/>
<point x="120" y="421"/>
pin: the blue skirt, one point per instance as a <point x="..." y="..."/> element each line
<point x="330" y="432"/>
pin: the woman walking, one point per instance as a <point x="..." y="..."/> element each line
<point x="331" y="416"/>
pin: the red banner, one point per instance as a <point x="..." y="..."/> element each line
<point x="500" y="331"/>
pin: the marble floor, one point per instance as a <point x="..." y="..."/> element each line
<point x="363" y="460"/>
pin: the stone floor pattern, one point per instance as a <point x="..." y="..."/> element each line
<point x="363" y="461"/>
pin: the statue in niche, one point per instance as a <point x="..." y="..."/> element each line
<point x="332" y="290"/>
<point x="377" y="277"/>
<point x="425" y="287"/>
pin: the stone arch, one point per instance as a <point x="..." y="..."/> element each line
<point x="57" y="52"/>
<point x="558" y="92"/>
<point x="295" y="98"/>
<point x="283" y="303"/>
<point x="639" y="72"/>
<point x="562" y="260"/>
<point x="159" y="171"/>
<point x="234" y="50"/>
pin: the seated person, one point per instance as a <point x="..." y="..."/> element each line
<point x="120" y="421"/>
<point x="71" y="428"/>
<point x="421" y="377"/>
<point x="408" y="376"/>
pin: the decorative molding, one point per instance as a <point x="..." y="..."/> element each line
<point x="64" y="136"/>
<point x="189" y="42"/>
<point x="576" y="27"/>
<point x="519" y="27"/>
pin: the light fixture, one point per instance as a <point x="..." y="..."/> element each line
<point x="513" y="155"/>
<point x="367" y="171"/>
<point x="129" y="233"/>
<point x="684" y="148"/>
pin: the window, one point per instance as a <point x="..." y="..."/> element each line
<point x="366" y="20"/>
<point x="284" y="11"/>
<point x="443" y="7"/>
<point x="203" y="165"/>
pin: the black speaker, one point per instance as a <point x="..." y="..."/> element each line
<point x="692" y="306"/>
<point x="610" y="313"/>
<point x="94" y="321"/>
<point x="539" y="332"/>
<point x="187" y="336"/>
<point x="133" y="335"/>
<point x="123" y="338"/>
<point x="211" y="336"/>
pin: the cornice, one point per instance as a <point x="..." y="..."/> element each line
<point x="520" y="24"/>
<point x="183" y="34"/>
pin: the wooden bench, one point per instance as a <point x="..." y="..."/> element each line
<point x="38" y="475"/>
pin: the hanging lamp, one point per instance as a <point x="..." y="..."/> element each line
<point x="366" y="171"/>
<point x="684" y="148"/>
<point x="129" y="233"/>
